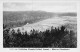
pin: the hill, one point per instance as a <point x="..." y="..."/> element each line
<point x="19" y="18"/>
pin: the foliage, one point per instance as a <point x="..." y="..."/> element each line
<point x="56" y="38"/>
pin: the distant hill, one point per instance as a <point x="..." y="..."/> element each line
<point x="20" y="18"/>
<point x="67" y="14"/>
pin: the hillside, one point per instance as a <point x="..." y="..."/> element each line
<point x="19" y="18"/>
<point x="69" y="22"/>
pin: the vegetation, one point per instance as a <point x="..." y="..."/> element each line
<point x="54" y="38"/>
<point x="20" y="18"/>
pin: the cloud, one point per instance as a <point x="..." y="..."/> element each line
<point x="44" y="6"/>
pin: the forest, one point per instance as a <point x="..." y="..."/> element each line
<point x="55" y="38"/>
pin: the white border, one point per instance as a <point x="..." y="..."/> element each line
<point x="71" y="49"/>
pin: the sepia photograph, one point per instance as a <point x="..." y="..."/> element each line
<point x="38" y="24"/>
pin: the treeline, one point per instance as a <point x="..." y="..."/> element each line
<point x="54" y="38"/>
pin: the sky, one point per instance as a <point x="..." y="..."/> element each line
<point x="40" y="5"/>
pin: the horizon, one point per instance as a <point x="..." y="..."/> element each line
<point x="39" y="11"/>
